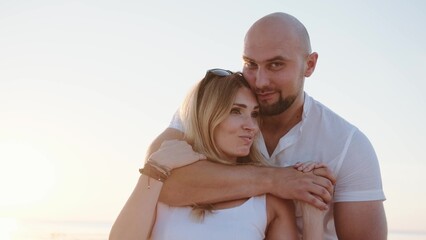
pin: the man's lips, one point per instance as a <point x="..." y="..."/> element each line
<point x="264" y="96"/>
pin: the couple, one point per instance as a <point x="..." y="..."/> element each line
<point x="295" y="128"/>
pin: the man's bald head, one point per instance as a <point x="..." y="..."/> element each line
<point x="279" y="27"/>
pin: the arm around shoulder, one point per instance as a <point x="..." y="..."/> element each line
<point x="207" y="182"/>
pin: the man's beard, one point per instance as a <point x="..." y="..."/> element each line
<point x="278" y="107"/>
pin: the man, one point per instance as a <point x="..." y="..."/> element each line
<point x="296" y="128"/>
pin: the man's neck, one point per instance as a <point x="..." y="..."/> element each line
<point x="275" y="127"/>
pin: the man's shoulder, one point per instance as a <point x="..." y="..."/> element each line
<point x="323" y="115"/>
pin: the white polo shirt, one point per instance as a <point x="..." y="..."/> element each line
<point x="323" y="136"/>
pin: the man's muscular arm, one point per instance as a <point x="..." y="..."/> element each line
<point x="207" y="182"/>
<point x="368" y="217"/>
<point x="358" y="207"/>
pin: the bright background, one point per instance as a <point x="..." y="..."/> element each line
<point x="86" y="85"/>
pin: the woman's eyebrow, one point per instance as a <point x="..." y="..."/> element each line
<point x="244" y="106"/>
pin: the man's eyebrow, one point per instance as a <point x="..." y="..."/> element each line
<point x="273" y="59"/>
<point x="247" y="59"/>
<point x="277" y="58"/>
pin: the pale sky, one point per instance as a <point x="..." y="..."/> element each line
<point x="86" y="85"/>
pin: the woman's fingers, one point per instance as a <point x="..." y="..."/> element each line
<point x="175" y="153"/>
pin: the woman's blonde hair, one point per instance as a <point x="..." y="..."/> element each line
<point x="207" y="105"/>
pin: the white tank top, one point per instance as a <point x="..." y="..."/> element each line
<point x="247" y="221"/>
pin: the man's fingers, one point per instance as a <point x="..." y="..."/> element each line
<point x="326" y="173"/>
<point x="324" y="183"/>
<point x="322" y="193"/>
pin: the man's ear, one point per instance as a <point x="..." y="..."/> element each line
<point x="311" y="63"/>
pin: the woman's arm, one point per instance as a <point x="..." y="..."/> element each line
<point x="281" y="219"/>
<point x="313" y="222"/>
<point x="137" y="217"/>
<point x="313" y="218"/>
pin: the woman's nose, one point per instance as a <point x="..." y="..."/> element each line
<point x="250" y="124"/>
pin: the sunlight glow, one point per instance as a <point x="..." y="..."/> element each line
<point x="7" y="227"/>
<point x="26" y="175"/>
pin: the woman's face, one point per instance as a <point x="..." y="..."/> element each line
<point x="234" y="136"/>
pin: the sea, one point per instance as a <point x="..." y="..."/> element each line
<point x="71" y="230"/>
<point x="54" y="230"/>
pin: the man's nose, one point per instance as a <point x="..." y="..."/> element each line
<point x="262" y="79"/>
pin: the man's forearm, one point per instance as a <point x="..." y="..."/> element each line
<point x="207" y="182"/>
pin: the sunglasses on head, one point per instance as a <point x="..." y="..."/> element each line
<point x="219" y="72"/>
<point x="210" y="74"/>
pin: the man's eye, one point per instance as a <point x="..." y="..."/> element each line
<point x="275" y="65"/>
<point x="250" y="65"/>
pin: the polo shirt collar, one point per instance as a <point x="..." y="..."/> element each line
<point x="292" y="136"/>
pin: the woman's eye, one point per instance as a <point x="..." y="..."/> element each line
<point x="255" y="115"/>
<point x="235" y="111"/>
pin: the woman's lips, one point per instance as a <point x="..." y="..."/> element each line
<point x="247" y="139"/>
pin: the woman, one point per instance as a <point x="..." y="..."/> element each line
<point x="221" y="122"/>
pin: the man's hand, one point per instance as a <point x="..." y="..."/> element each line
<point x="315" y="188"/>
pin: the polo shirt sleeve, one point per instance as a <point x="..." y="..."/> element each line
<point x="176" y="122"/>
<point x="359" y="177"/>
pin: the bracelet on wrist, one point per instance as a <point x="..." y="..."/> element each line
<point x="163" y="169"/>
<point x="155" y="171"/>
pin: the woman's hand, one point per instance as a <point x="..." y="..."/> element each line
<point x="312" y="212"/>
<point x="313" y="222"/>
<point x="175" y="153"/>
<point x="308" y="166"/>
